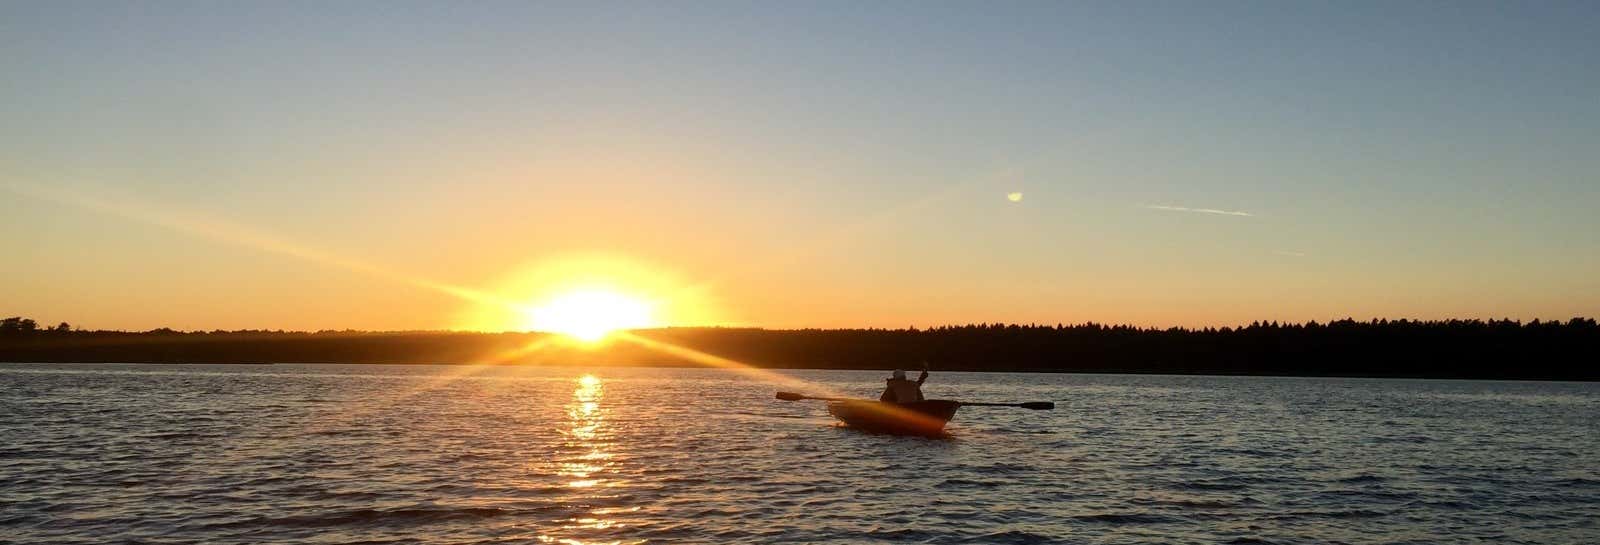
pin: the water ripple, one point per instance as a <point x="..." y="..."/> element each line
<point x="433" y="454"/>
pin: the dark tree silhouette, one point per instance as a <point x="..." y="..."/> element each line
<point x="17" y="324"/>
<point x="1504" y="349"/>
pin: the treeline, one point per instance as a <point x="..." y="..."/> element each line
<point x="1503" y="349"/>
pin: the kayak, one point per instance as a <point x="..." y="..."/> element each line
<point x="924" y="418"/>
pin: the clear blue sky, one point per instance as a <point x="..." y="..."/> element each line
<point x="795" y="164"/>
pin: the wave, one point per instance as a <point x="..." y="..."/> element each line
<point x="969" y="483"/>
<point x="1128" y="518"/>
<point x="1011" y="537"/>
<point x="404" y="515"/>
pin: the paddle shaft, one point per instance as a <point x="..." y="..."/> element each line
<point x="1036" y="405"/>
<point x="829" y="398"/>
<point x="791" y="396"/>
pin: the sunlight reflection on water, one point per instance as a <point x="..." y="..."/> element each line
<point x="337" y="453"/>
<point x="588" y="439"/>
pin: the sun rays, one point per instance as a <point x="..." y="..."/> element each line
<point x="587" y="313"/>
<point x="226" y="232"/>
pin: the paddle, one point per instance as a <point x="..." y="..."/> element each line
<point x="1034" y="405"/>
<point x="791" y="396"/>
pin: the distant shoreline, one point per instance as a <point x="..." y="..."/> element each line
<point x="1455" y="349"/>
<point x="1196" y="373"/>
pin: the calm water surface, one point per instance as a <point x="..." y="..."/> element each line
<point x="439" y="454"/>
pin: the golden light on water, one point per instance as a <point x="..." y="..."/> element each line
<point x="585" y="409"/>
<point x="587" y="468"/>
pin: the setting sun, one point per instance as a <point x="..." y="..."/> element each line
<point x="590" y="315"/>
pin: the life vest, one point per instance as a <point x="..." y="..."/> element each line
<point x="901" y="391"/>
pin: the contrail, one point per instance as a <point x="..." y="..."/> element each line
<point x="1197" y="210"/>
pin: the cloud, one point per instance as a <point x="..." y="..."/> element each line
<point x="1289" y="253"/>
<point x="1197" y="210"/>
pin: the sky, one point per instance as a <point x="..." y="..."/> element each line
<point x="394" y="165"/>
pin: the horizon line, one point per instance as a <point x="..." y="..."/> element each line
<point x="1279" y="323"/>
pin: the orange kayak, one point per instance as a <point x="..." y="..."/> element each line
<point x="924" y="418"/>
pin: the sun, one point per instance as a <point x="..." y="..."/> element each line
<point x="586" y="296"/>
<point x="590" y="315"/>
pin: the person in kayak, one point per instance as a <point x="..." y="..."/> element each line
<point x="901" y="390"/>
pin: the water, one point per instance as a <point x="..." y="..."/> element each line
<point x="438" y="454"/>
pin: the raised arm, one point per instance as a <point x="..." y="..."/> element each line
<point x="924" y="376"/>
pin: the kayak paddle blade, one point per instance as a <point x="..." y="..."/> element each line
<point x="790" y="396"/>
<point x="1039" y="405"/>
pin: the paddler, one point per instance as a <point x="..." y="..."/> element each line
<point x="900" y="390"/>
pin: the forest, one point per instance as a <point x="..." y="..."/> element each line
<point x="1490" y="349"/>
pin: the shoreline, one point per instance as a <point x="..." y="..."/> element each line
<point x="1196" y="373"/>
<point x="1455" y="349"/>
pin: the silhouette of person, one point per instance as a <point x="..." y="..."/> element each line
<point x="900" y="390"/>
